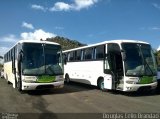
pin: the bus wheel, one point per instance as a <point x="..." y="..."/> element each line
<point x="8" y="82"/>
<point x="101" y="84"/>
<point x="15" y="81"/>
<point x="67" y="79"/>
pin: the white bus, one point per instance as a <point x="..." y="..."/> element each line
<point x="125" y="65"/>
<point x="33" y="65"/>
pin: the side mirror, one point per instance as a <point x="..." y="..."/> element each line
<point x="1" y="57"/>
<point x="64" y="58"/>
<point x="20" y="56"/>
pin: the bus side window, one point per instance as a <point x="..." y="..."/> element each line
<point x="88" y="53"/>
<point x="100" y="52"/>
<point x="94" y="53"/>
<point x="82" y="55"/>
<point x="68" y="56"/>
<point x="75" y="55"/>
<point x="71" y="56"/>
<point x="78" y="57"/>
<point x="15" y="52"/>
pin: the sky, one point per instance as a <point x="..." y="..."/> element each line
<point x="87" y="21"/>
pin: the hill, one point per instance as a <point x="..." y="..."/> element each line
<point x="157" y="54"/>
<point x="66" y="43"/>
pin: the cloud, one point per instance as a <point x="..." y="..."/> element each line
<point x="9" y="38"/>
<point x="59" y="28"/>
<point x="38" y="7"/>
<point x="27" y="25"/>
<point x="3" y="50"/>
<point x="80" y="4"/>
<point x="155" y="28"/>
<point x="156" y="5"/>
<point x="61" y="6"/>
<point x="37" y="35"/>
<point x="150" y="28"/>
<point x="76" y="5"/>
<point x="158" y="49"/>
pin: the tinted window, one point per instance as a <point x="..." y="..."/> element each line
<point x="99" y="52"/>
<point x="78" y="55"/>
<point x="15" y="50"/>
<point x="9" y="55"/>
<point x="88" y="54"/>
<point x="70" y="56"/>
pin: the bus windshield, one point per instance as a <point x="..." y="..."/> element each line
<point x="139" y="59"/>
<point x="41" y="59"/>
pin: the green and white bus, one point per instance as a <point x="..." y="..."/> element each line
<point x="125" y="65"/>
<point x="33" y="65"/>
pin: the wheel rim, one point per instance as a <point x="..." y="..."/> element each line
<point x="102" y="85"/>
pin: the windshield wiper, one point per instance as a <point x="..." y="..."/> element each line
<point x="146" y="64"/>
<point x="144" y="61"/>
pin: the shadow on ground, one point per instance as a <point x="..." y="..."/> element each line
<point x="68" y="88"/>
<point x="138" y="93"/>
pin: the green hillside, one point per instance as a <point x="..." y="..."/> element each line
<point x="157" y="54"/>
<point x="66" y="43"/>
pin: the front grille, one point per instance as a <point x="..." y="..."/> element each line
<point x="144" y="88"/>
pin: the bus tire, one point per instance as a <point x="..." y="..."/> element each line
<point x="101" y="84"/>
<point x="67" y="79"/>
<point x="8" y="82"/>
<point x="15" y="81"/>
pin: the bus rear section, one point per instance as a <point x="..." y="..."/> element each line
<point x="34" y="65"/>
<point x="125" y="65"/>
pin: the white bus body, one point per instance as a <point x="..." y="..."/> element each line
<point x="125" y="65"/>
<point x="158" y="78"/>
<point x="32" y="64"/>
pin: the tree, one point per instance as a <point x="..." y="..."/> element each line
<point x="157" y="56"/>
<point x="65" y="42"/>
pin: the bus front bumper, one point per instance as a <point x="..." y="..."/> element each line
<point x="41" y="86"/>
<point x="140" y="87"/>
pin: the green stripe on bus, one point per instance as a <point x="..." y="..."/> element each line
<point x="146" y="80"/>
<point x="46" y="79"/>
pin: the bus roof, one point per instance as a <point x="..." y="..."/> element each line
<point x="32" y="41"/>
<point x="110" y="41"/>
<point x="37" y="41"/>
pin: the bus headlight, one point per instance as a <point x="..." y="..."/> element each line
<point x="59" y="78"/>
<point x="130" y="82"/>
<point x="29" y="79"/>
<point x="154" y="78"/>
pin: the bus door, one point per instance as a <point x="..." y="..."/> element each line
<point x="114" y="58"/>
<point x="14" y="64"/>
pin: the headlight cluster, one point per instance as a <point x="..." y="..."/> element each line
<point x="59" y="78"/>
<point x="30" y="79"/>
<point x="154" y="78"/>
<point x="131" y="82"/>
